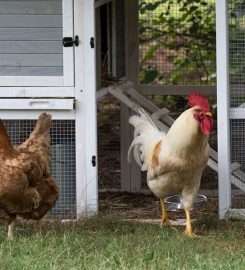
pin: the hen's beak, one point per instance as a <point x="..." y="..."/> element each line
<point x="208" y="114"/>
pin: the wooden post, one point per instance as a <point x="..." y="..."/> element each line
<point x="130" y="173"/>
<point x="125" y="142"/>
<point x="223" y="106"/>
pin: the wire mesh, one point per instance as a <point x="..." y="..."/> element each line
<point x="173" y="65"/>
<point x="237" y="127"/>
<point x="237" y="52"/>
<point x="108" y="125"/>
<point x="63" y="166"/>
<point x="236" y="14"/>
<point x="177" y="42"/>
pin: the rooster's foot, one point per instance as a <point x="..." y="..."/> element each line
<point x="164" y="222"/>
<point x="190" y="234"/>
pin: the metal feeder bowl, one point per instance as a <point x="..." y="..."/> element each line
<point x="175" y="202"/>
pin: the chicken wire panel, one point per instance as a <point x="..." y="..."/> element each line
<point x="237" y="52"/>
<point x="108" y="130"/>
<point x="63" y="166"/>
<point x="238" y="155"/>
<point x="236" y="14"/>
<point x="177" y="42"/>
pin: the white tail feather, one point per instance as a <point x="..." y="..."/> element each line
<point x="145" y="133"/>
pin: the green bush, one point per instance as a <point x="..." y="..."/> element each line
<point x="186" y="28"/>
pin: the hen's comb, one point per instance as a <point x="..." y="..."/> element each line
<point x="197" y="99"/>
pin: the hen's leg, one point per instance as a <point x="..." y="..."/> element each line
<point x="188" y="228"/>
<point x="11" y="230"/>
<point x="164" y="219"/>
<point x="38" y="227"/>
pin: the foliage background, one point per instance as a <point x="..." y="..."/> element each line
<point x="177" y="42"/>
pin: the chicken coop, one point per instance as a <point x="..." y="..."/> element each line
<point x="46" y="48"/>
<point x="92" y="64"/>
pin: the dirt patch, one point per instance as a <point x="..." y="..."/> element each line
<point x="139" y="206"/>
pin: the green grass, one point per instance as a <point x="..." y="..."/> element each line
<point x="108" y="243"/>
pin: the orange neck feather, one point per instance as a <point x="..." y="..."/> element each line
<point x="5" y="145"/>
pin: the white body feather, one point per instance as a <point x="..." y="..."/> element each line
<point x="182" y="157"/>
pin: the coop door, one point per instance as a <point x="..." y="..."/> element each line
<point x="32" y="34"/>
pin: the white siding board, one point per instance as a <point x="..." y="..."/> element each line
<point x="31" y="47"/>
<point x="68" y="52"/>
<point x="31" y="21"/>
<point x="31" y="60"/>
<point x="31" y="71"/>
<point x="22" y="34"/>
<point x="31" y="81"/>
<point x="31" y="51"/>
<point x="30" y="7"/>
<point x="24" y="92"/>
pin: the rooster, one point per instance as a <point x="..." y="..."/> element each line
<point x="26" y="187"/>
<point x="175" y="160"/>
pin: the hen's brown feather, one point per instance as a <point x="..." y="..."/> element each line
<point x="49" y="193"/>
<point x="6" y="149"/>
<point x="26" y="187"/>
<point x="8" y="218"/>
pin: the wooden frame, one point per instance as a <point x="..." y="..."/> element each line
<point x="85" y="88"/>
<point x="15" y="114"/>
<point x="223" y="103"/>
<point x="37" y="104"/>
<point x="173" y="90"/>
<point x="130" y="173"/>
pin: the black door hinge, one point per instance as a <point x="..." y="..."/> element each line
<point x="93" y="161"/>
<point x="69" y="42"/>
<point x="92" y="42"/>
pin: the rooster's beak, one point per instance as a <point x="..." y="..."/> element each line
<point x="208" y="114"/>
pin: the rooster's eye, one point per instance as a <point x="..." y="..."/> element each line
<point x="197" y="110"/>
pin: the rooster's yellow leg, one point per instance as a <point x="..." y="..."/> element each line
<point x="164" y="219"/>
<point x="188" y="228"/>
<point x="11" y="230"/>
<point x="38" y="227"/>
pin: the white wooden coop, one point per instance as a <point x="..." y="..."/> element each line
<point x="52" y="58"/>
<point x="39" y="73"/>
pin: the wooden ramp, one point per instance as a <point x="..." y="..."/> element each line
<point x="126" y="93"/>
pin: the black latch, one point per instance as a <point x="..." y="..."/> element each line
<point x="93" y="161"/>
<point x="69" y="42"/>
<point x="92" y="42"/>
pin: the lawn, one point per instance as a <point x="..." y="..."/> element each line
<point x="112" y="243"/>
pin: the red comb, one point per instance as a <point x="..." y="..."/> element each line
<point x="197" y="99"/>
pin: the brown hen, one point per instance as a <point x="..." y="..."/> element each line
<point x="26" y="187"/>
